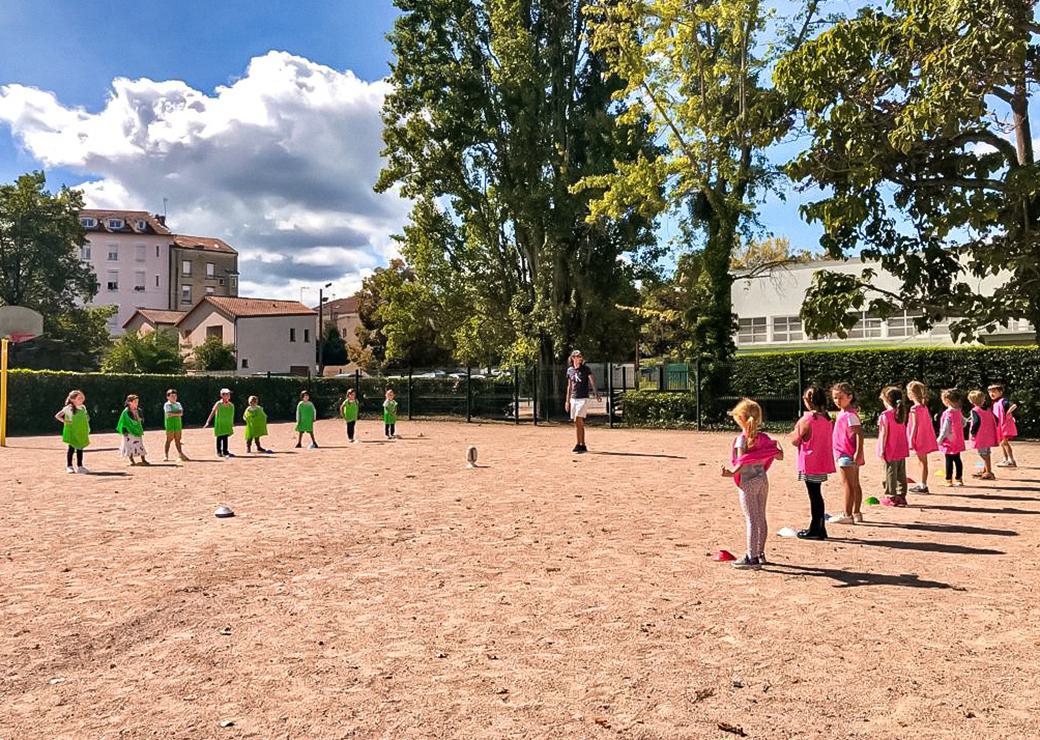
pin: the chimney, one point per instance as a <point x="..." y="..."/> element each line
<point x="160" y="218"/>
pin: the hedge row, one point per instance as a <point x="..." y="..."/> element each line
<point x="35" y="396"/>
<point x="773" y="378"/>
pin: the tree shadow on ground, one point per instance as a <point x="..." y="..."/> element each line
<point x="977" y="509"/>
<point x="640" y="454"/>
<point x="994" y="496"/>
<point x="852" y="579"/>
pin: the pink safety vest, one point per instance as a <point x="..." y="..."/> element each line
<point x="954" y="444"/>
<point x="987" y="434"/>
<point x="843" y="441"/>
<point x="924" y="440"/>
<point x="1006" y="427"/>
<point x="896" y="446"/>
<point x="815" y="455"/>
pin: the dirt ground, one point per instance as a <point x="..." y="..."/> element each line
<point x="384" y="590"/>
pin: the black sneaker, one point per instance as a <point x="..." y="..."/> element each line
<point x="747" y="562"/>
<point x="582" y="448"/>
<point x="808" y="534"/>
<point x="577" y="448"/>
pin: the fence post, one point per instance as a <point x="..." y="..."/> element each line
<point x="409" y="394"/>
<point x="697" y="393"/>
<point x="801" y="386"/>
<point x="469" y="394"/>
<point x="610" y="394"/>
<point x="661" y="386"/>
<point x="516" y="395"/>
<point x="534" y="395"/>
<point x="624" y="378"/>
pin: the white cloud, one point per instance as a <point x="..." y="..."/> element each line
<point x="280" y="164"/>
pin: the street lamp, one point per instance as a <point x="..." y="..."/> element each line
<point x="319" y="344"/>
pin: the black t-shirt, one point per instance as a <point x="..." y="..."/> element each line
<point x="579" y="380"/>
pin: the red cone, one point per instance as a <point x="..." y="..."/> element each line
<point x="724" y="556"/>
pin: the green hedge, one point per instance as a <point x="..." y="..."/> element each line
<point x="35" y="396"/>
<point x="773" y="379"/>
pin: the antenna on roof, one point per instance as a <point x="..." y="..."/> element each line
<point x="164" y="207"/>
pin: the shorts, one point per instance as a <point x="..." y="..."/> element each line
<point x="845" y="461"/>
<point x="578" y="410"/>
<point x="983" y="451"/>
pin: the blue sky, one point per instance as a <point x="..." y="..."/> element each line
<point x="85" y="129"/>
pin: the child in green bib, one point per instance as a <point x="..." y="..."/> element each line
<point x="75" y="430"/>
<point x="223" y="417"/>
<point x="256" y="425"/>
<point x="305" y="414"/>
<point x="349" y="411"/>
<point x="390" y="414"/>
<point x="173" y="421"/>
<point x="131" y="426"/>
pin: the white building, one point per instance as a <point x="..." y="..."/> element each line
<point x="269" y="336"/>
<point x="129" y="252"/>
<point x="768" y="308"/>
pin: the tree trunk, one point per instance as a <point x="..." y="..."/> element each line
<point x="714" y="331"/>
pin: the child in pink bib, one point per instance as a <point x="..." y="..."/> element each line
<point x="1007" y="429"/>
<point x="813" y="436"/>
<point x="893" y="447"/>
<point x="919" y="432"/>
<point x="983" y="430"/>
<point x="951" y="436"/>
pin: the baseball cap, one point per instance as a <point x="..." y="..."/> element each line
<point x="225" y="390"/>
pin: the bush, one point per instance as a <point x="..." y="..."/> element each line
<point x="772" y="379"/>
<point x="213" y="355"/>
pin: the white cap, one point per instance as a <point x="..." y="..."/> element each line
<point x="225" y="390"/>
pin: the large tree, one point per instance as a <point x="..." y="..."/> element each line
<point x="700" y="72"/>
<point x="41" y="268"/>
<point x="499" y="108"/>
<point x="921" y="140"/>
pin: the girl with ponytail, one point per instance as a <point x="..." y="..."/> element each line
<point x="893" y="447"/>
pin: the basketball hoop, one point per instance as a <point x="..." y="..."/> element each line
<point x="17" y="324"/>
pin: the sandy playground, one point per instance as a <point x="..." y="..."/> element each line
<point x="384" y="590"/>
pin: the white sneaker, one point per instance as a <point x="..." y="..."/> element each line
<point x="353" y="441"/>
<point x="82" y="469"/>
<point x="857" y="517"/>
<point x="840" y="519"/>
<point x="69" y="469"/>
<point x="919" y="488"/>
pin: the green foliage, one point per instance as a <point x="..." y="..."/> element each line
<point x="772" y="379"/>
<point x="498" y="108"/>
<point x="698" y="73"/>
<point x="910" y="107"/>
<point x="659" y="409"/>
<point x="333" y="347"/>
<point x="156" y="352"/>
<point x="75" y="339"/>
<point x="214" y="355"/>
<point x="40" y="237"/>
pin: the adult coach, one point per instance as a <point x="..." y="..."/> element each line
<point x="579" y="381"/>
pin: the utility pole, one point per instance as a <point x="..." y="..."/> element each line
<point x="319" y="341"/>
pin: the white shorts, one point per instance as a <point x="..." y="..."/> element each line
<point x="578" y="408"/>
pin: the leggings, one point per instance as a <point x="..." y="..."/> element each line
<point x="222" y="446"/>
<point x="753" y="495"/>
<point x="391" y="430"/>
<point x="350" y="430"/>
<point x="952" y="462"/>
<point x="817" y="522"/>
<point x="79" y="457"/>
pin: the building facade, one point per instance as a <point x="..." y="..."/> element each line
<point x="200" y="266"/>
<point x="768" y="314"/>
<point x="343" y="314"/>
<point x="140" y="263"/>
<point x="129" y="253"/>
<point x="269" y="336"/>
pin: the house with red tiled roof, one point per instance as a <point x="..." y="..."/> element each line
<point x="343" y="314"/>
<point x="269" y="336"/>
<point x="140" y="263"/>
<point x="145" y="320"/>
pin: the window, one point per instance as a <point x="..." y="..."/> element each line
<point x="84" y="252"/>
<point x="115" y="223"/>
<point x="343" y="333"/>
<point x="306" y="335"/>
<point x="113" y="253"/>
<point x="903" y="325"/>
<point x="185" y="294"/>
<point x="245" y="364"/>
<point x="156" y="281"/>
<point x="185" y="267"/>
<point x="753" y="331"/>
<point x="292" y="334"/>
<point x="113" y="281"/>
<point x="866" y="327"/>
<point x="139" y="279"/>
<point x="156" y="250"/>
<point x="87" y="222"/>
<point x="211" y="269"/>
<point x="210" y="290"/>
<point x="141" y="225"/>
<point x="220" y="281"/>
<point x="140" y="253"/>
<point x="215" y="331"/>
<point x="234" y="282"/>
<point x="785" y="329"/>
